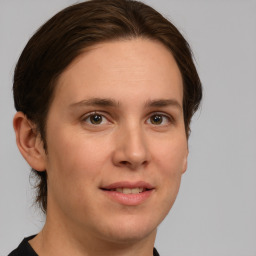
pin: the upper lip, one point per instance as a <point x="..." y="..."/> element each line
<point x="128" y="184"/>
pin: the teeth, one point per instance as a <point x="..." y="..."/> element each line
<point x="129" y="190"/>
<point x="135" y="190"/>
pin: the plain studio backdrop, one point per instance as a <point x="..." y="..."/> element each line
<point x="215" y="212"/>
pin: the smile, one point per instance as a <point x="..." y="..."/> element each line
<point x="128" y="190"/>
<point x="130" y="194"/>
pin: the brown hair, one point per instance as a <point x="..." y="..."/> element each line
<point x="61" y="39"/>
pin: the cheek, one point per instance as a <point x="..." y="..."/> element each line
<point x="74" y="167"/>
<point x="170" y="162"/>
<point x="171" y="155"/>
<point x="74" y="160"/>
<point x="75" y="152"/>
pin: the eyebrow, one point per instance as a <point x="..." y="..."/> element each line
<point x="101" y="102"/>
<point x="163" y="103"/>
<point x="105" y="102"/>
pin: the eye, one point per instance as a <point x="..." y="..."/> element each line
<point x="159" y="119"/>
<point x="95" y="119"/>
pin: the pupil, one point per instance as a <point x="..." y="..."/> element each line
<point x="96" y="119"/>
<point x="156" y="119"/>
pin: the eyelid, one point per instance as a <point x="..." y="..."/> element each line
<point x="163" y="114"/>
<point x="95" y="112"/>
<point x="105" y="115"/>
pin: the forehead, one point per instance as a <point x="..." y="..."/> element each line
<point x="136" y="66"/>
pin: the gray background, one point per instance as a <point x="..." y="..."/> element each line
<point x="215" y="213"/>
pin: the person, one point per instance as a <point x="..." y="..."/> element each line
<point x="104" y="92"/>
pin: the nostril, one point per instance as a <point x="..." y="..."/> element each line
<point x="124" y="162"/>
<point x="133" y="164"/>
<point x="145" y="162"/>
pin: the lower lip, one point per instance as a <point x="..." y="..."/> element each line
<point x="129" y="199"/>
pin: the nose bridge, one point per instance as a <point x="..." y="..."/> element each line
<point x="132" y="148"/>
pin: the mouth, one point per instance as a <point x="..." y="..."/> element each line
<point x="129" y="193"/>
<point x="127" y="190"/>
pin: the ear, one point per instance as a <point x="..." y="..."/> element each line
<point x="29" y="142"/>
<point x="185" y="162"/>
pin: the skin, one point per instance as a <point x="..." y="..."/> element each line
<point x="137" y="80"/>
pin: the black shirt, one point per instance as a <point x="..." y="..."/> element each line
<point x="25" y="249"/>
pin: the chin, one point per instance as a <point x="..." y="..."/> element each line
<point x="130" y="236"/>
<point x="130" y="230"/>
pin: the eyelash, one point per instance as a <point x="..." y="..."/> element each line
<point x="89" y="115"/>
<point x="168" y="118"/>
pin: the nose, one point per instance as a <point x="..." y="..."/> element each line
<point x="131" y="149"/>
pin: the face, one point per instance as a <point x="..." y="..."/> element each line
<point x="116" y="140"/>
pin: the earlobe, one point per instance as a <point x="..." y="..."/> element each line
<point x="29" y="142"/>
<point x="185" y="163"/>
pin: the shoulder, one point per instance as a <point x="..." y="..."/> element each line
<point x="24" y="248"/>
<point x="155" y="252"/>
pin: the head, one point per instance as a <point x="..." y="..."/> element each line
<point x="97" y="26"/>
